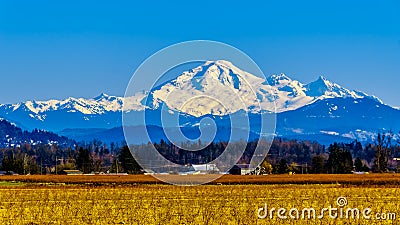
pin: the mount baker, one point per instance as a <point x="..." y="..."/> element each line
<point x="320" y="109"/>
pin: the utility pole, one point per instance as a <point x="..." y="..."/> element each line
<point x="117" y="164"/>
<point x="24" y="164"/>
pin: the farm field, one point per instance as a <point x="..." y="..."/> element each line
<point x="166" y="204"/>
<point x="129" y="203"/>
<point x="350" y="179"/>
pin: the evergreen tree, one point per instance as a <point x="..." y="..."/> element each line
<point x="318" y="164"/>
<point x="128" y="163"/>
<point x="334" y="160"/>
<point x="358" y="164"/>
<point x="282" y="167"/>
<point x="347" y="163"/>
<point x="84" y="161"/>
<point x="340" y="159"/>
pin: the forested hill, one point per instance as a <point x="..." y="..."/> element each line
<point x="11" y="135"/>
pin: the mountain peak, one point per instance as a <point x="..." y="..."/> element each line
<point x="217" y="79"/>
<point x="101" y="97"/>
<point x="220" y="63"/>
<point x="323" y="88"/>
<point x="322" y="80"/>
<point x="322" y="77"/>
<point x="278" y="79"/>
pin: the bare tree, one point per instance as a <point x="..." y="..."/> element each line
<point x="382" y="152"/>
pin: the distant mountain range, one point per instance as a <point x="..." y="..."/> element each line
<point x="319" y="110"/>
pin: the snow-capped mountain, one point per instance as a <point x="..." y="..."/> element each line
<point x="323" y="88"/>
<point x="219" y="88"/>
<point x="103" y="111"/>
<point x="221" y="81"/>
<point x="38" y="109"/>
<point x="351" y="118"/>
<point x="56" y="115"/>
<point x="237" y="90"/>
<point x="98" y="105"/>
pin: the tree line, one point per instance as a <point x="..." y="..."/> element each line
<point x="92" y="157"/>
<point x="284" y="156"/>
<point x="338" y="158"/>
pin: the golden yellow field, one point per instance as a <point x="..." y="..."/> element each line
<point x="167" y="204"/>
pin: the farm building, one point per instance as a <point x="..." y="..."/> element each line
<point x="73" y="172"/>
<point x="206" y="168"/>
<point x="241" y="169"/>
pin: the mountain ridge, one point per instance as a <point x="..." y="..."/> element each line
<point x="287" y="93"/>
<point x="219" y="80"/>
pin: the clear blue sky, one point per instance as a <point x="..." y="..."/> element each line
<point x="56" y="49"/>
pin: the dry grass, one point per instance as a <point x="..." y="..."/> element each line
<point x="138" y="199"/>
<point x="167" y="204"/>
